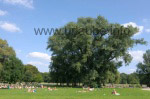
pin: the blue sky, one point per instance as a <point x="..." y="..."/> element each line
<point x="18" y="18"/>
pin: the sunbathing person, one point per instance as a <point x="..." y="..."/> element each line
<point x="115" y="92"/>
<point x="90" y="89"/>
<point x="34" y="90"/>
<point x="50" y="89"/>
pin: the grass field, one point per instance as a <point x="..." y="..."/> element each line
<point x="72" y="93"/>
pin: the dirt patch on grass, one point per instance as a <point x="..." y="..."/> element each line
<point x="147" y="89"/>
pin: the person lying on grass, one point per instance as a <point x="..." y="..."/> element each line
<point x="90" y="89"/>
<point x="34" y="90"/>
<point x="87" y="89"/>
<point x="30" y="90"/>
<point x="51" y="89"/>
<point x="115" y="92"/>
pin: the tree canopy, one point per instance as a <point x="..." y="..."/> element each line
<point x="5" y="50"/>
<point x="12" y="71"/>
<point x="5" y="53"/>
<point x="123" y="78"/>
<point x="86" y="50"/>
<point x="31" y="74"/>
<point x="143" y="69"/>
<point x="133" y="79"/>
<point x="46" y="77"/>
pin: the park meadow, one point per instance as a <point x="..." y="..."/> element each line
<point x="74" y="49"/>
<point x="72" y="93"/>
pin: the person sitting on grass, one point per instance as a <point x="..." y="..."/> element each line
<point x="29" y="90"/>
<point x="54" y="88"/>
<point x="115" y="92"/>
<point x="42" y="86"/>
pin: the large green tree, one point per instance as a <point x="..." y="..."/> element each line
<point x="12" y="71"/>
<point x="143" y="69"/>
<point x="5" y="52"/>
<point x="88" y="49"/>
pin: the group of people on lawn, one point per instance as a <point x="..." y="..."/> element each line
<point x="33" y="89"/>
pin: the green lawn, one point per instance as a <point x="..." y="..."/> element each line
<point x="72" y="93"/>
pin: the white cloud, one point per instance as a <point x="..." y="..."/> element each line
<point x="141" y="28"/>
<point x="137" y="55"/>
<point x="26" y="3"/>
<point x="147" y="30"/>
<point x="2" y="13"/>
<point x="39" y="55"/>
<point x="35" y="63"/>
<point x="10" y="27"/>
